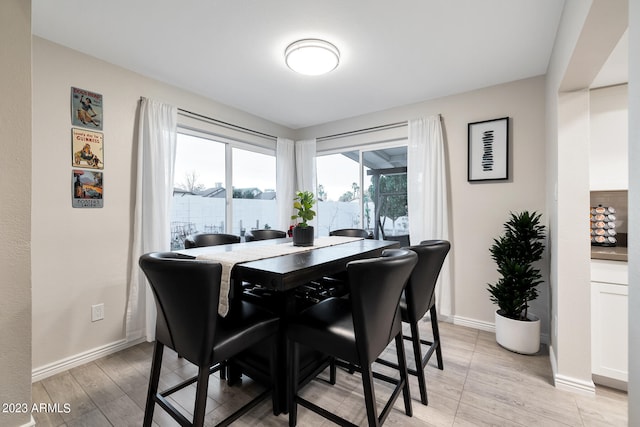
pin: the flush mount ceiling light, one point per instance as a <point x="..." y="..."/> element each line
<point x="312" y="57"/>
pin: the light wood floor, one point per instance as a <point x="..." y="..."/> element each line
<point x="481" y="385"/>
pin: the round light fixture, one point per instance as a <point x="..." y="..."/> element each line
<point x="311" y="57"/>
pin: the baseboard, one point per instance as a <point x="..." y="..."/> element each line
<point x="62" y="365"/>
<point x="553" y="360"/>
<point x="487" y="326"/>
<point x="610" y="382"/>
<point x="575" y="385"/>
<point x="563" y="382"/>
<point x="475" y="324"/>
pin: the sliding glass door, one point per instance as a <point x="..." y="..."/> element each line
<point x="364" y="188"/>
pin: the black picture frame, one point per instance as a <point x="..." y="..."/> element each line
<point x="488" y="150"/>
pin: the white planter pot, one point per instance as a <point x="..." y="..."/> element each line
<point x="518" y="335"/>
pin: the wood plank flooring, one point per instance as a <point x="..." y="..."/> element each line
<point x="481" y="385"/>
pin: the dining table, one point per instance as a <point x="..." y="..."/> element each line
<point x="281" y="276"/>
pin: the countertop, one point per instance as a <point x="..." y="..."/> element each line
<point x="611" y="253"/>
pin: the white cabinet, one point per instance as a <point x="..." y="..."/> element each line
<point x="609" y="322"/>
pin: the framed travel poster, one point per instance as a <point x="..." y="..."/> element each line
<point x="488" y="150"/>
<point x="86" y="109"/>
<point x="86" y="189"/>
<point x="87" y="149"/>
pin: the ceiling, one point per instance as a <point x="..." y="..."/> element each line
<point x="393" y="53"/>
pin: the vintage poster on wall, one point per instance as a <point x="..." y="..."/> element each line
<point x="86" y="189"/>
<point x="87" y="149"/>
<point x="86" y="109"/>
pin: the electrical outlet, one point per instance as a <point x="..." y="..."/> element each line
<point x="97" y="312"/>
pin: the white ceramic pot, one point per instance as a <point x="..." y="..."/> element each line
<point x="519" y="336"/>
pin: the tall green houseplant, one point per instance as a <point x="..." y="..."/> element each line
<point x="304" y="202"/>
<point x="521" y="245"/>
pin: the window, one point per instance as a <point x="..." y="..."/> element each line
<point x="204" y="169"/>
<point x="338" y="192"/>
<point x="254" y="191"/>
<point x="364" y="188"/>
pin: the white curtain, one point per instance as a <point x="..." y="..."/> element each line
<point x="285" y="181"/>
<point x="306" y="167"/>
<point x="157" y="133"/>
<point x="427" y="195"/>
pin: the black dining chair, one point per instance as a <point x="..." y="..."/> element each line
<point x="337" y="283"/>
<point x="356" y="331"/>
<point x="265" y="234"/>
<point x="417" y="299"/>
<point x="186" y="292"/>
<point x="352" y="232"/>
<point x="209" y="239"/>
<point x="255" y="292"/>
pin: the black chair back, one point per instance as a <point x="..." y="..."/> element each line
<point x="186" y="292"/>
<point x="266" y="234"/>
<point x="420" y="290"/>
<point x="376" y="287"/>
<point x="352" y="232"/>
<point x="209" y="239"/>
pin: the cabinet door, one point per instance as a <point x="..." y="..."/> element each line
<point x="609" y="330"/>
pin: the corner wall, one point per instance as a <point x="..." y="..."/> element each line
<point x="15" y="209"/>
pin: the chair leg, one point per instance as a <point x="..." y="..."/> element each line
<point x="417" y="356"/>
<point x="369" y="395"/>
<point x="436" y="336"/>
<point x="292" y="391"/>
<point x="404" y="374"/>
<point x="154" y="379"/>
<point x="276" y="389"/>
<point x="223" y="370"/>
<point x="332" y="371"/>
<point x="234" y="374"/>
<point x="200" y="406"/>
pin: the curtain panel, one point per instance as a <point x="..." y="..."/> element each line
<point x="427" y="195"/>
<point x="157" y="136"/>
<point x="285" y="181"/>
<point x="306" y="168"/>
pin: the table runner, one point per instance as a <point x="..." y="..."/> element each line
<point x="257" y="252"/>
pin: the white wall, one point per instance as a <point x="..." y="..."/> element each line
<point x="15" y="219"/>
<point x="478" y="210"/>
<point x="609" y="136"/>
<point x="80" y="257"/>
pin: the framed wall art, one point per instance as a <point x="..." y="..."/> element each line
<point x="488" y="150"/>
<point x="86" y="189"/>
<point x="86" y="109"/>
<point x="87" y="149"/>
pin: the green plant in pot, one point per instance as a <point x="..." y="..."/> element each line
<point x="515" y="252"/>
<point x="303" y="232"/>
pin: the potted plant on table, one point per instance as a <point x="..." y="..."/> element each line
<point x="303" y="232"/>
<point x="521" y="245"/>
